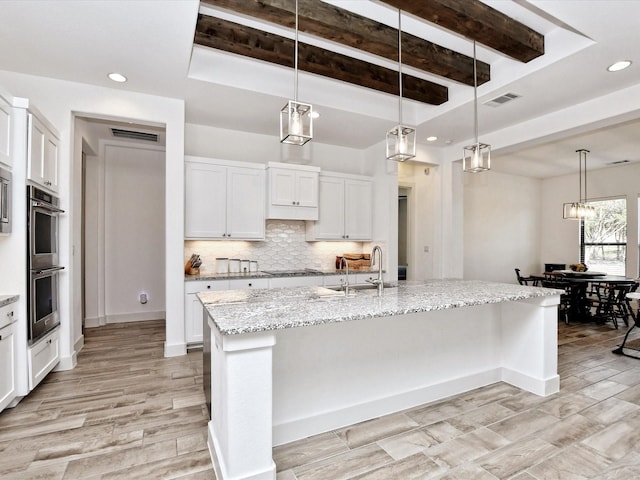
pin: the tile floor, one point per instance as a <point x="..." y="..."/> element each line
<point x="128" y="413"/>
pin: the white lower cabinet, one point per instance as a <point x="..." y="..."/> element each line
<point x="244" y="284"/>
<point x="279" y="282"/>
<point x="42" y="357"/>
<point x="193" y="307"/>
<point x="8" y="365"/>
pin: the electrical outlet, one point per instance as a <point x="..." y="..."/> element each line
<point x="143" y="298"/>
<point x="426" y="249"/>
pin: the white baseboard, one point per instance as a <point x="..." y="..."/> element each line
<point x="304" y="427"/>
<point x="175" y="349"/>
<point x="135" y="317"/>
<point x="92" y="322"/>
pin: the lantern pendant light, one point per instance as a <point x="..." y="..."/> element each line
<point x="401" y="139"/>
<point x="580" y="209"/>
<point x="477" y="157"/>
<point x="296" y="122"/>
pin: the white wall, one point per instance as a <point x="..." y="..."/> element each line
<point x="423" y="203"/>
<point x="502" y="226"/>
<point x="59" y="101"/>
<point x="560" y="242"/>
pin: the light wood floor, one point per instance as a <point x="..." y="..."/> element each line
<point x="128" y="413"/>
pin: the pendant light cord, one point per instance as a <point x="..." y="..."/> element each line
<point x="295" y="60"/>
<point x="475" y="96"/>
<point x="399" y="68"/>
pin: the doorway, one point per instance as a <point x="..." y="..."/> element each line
<point x="404" y="237"/>
<point x="122" y="222"/>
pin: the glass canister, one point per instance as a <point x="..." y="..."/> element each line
<point x="222" y="265"/>
<point x="253" y="266"/>
<point x="234" y="265"/>
<point x="244" y="266"/>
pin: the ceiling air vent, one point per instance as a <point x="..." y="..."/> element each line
<point x="618" y="162"/>
<point x="501" y="100"/>
<point x="132" y="135"/>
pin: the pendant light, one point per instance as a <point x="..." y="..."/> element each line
<point x="296" y="121"/>
<point x="477" y="157"/>
<point x="580" y="209"/>
<point x="401" y="139"/>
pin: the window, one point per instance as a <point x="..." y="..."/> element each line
<point x="603" y="238"/>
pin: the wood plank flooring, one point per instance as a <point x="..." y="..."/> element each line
<point x="128" y="413"/>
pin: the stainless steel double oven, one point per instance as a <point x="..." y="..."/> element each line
<point x="43" y="267"/>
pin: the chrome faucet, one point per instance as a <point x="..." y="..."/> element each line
<point x="379" y="282"/>
<point x="343" y="261"/>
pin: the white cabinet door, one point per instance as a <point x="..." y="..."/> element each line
<point x="245" y="203"/>
<point x="306" y="189"/>
<point x="193" y="308"/>
<point x="43" y="152"/>
<point x="5" y="132"/>
<point x="330" y="224"/>
<point x="8" y="362"/>
<point x="42" y="357"/>
<point x="357" y="209"/>
<point x="205" y="200"/>
<point x="283" y="186"/>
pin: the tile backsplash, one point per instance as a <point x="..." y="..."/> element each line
<point x="284" y="248"/>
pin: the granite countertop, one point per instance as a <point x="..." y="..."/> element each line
<point x="245" y="311"/>
<point x="8" y="299"/>
<point x="305" y="272"/>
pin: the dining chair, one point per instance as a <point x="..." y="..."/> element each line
<point x="566" y="298"/>
<point x="622" y="349"/>
<point x="526" y="280"/>
<point x="611" y="302"/>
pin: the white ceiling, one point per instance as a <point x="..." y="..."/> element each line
<point x="150" y="41"/>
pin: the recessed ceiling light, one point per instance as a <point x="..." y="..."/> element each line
<point x="117" y="77"/>
<point x="432" y="138"/>
<point x="619" y="66"/>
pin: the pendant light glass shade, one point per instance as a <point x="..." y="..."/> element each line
<point x="580" y="209"/>
<point x="401" y="139"/>
<point x="477" y="157"/>
<point x="401" y="143"/>
<point x="296" y="120"/>
<point x="296" y="123"/>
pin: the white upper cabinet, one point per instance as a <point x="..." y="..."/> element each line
<point x="5" y="132"/>
<point x="292" y="192"/>
<point x="43" y="153"/>
<point x="345" y="209"/>
<point x="224" y="200"/>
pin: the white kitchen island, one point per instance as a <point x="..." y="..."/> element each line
<point x="293" y="362"/>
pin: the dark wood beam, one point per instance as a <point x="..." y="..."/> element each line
<point x="478" y="21"/>
<point x="242" y="40"/>
<point x="342" y="26"/>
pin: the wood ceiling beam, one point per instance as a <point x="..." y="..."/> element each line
<point x="478" y="21"/>
<point x="342" y="26"/>
<point x="242" y="40"/>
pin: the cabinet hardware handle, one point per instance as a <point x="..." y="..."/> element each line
<point x="250" y="284"/>
<point x="208" y="286"/>
<point x="0" y="338"/>
<point x="294" y="202"/>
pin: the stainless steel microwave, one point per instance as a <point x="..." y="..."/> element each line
<point x="5" y="201"/>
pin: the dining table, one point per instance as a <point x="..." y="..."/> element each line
<point x="576" y="285"/>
